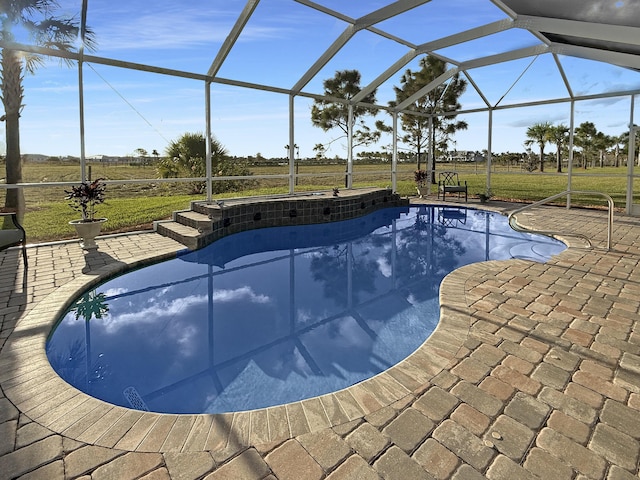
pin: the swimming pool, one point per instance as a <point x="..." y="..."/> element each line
<point x="275" y="315"/>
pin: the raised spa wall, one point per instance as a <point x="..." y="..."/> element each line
<point x="206" y="222"/>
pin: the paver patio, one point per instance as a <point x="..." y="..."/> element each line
<point x="534" y="372"/>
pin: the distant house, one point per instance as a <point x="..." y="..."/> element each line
<point x="464" y="156"/>
<point x="105" y="158"/>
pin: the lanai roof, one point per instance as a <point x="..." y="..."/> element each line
<point x="469" y="35"/>
<point x="290" y="46"/>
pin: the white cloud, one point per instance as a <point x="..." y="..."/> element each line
<point x="171" y="27"/>
<point x="384" y="267"/>
<point x="185" y="336"/>
<point x="111" y="292"/>
<point x="158" y="308"/>
<point x="153" y="313"/>
<point x="245" y="294"/>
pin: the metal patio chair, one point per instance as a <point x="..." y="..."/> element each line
<point x="448" y="182"/>
<point x="12" y="237"/>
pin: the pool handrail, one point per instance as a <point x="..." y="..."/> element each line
<point x="519" y="228"/>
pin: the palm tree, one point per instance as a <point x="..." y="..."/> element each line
<point x="91" y="305"/>
<point x="624" y="139"/>
<point x="320" y="150"/>
<point x="190" y="153"/>
<point x="558" y="135"/>
<point x="187" y="155"/>
<point x="602" y="143"/>
<point x="585" y="136"/>
<point x="46" y="30"/>
<point x="539" y="133"/>
<point x="617" y="140"/>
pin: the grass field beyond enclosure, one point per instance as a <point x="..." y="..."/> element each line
<point x="136" y="205"/>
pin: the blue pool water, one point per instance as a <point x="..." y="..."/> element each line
<point x="276" y="315"/>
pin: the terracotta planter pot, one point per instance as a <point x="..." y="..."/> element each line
<point x="88" y="231"/>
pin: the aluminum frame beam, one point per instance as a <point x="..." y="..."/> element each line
<point x="333" y="49"/>
<point x="590" y="30"/>
<point x="426" y="89"/>
<point x="430" y="47"/>
<point x="467" y="36"/>
<point x="233" y="36"/>
<point x="504" y="57"/>
<point x="476" y="63"/>
<point x="396" y="8"/>
<point x="355" y="26"/>
<point x="625" y="60"/>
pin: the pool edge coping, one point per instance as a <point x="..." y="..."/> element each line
<point x="38" y="392"/>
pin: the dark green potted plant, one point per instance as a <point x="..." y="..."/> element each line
<point x="84" y="198"/>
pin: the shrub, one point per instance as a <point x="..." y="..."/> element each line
<point x="187" y="156"/>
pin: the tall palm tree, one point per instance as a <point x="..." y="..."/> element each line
<point x="91" y="305"/>
<point x="617" y="140"/>
<point x="46" y="30"/>
<point x="558" y="135"/>
<point x="539" y="133"/>
<point x="624" y="139"/>
<point x="585" y="136"/>
<point x="602" y="143"/>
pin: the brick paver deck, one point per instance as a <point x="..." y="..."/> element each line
<point x="533" y="372"/>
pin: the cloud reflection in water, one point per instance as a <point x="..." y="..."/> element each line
<point x="272" y="316"/>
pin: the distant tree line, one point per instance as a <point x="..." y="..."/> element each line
<point x="593" y="146"/>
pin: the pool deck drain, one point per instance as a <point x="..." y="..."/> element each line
<point x="533" y="372"/>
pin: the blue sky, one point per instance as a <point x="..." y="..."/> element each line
<point x="126" y="110"/>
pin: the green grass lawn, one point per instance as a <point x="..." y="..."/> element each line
<point x="135" y="206"/>
<point x="50" y="220"/>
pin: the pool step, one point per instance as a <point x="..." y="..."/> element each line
<point x="187" y="227"/>
<point x="199" y="221"/>
<point x="184" y="234"/>
<point x="212" y="211"/>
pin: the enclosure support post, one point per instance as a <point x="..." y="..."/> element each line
<point x="394" y="253"/>
<point x="349" y="182"/>
<point x="394" y="153"/>
<point x="630" y="158"/>
<point x="431" y="174"/>
<point x="349" y="254"/>
<point x="83" y="31"/>
<point x="489" y="146"/>
<point x="207" y="102"/>
<point x="292" y="159"/>
<point x="83" y="168"/>
<point x="570" y="164"/>
<point x="210" y="317"/>
<point x="292" y="289"/>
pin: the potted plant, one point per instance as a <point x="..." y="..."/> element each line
<point x="420" y="177"/>
<point x="84" y="198"/>
<point x="484" y="197"/>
